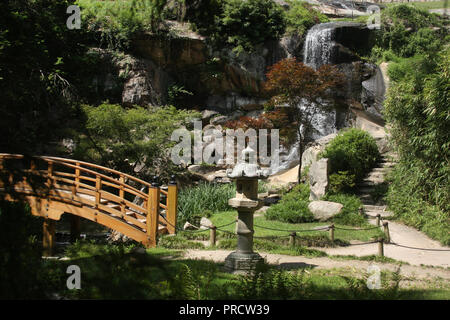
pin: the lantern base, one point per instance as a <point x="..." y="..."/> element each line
<point x="238" y="262"/>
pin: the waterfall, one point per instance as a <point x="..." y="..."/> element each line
<point x="318" y="45"/>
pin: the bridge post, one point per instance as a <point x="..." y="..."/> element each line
<point x="172" y="203"/>
<point x="48" y="240"/>
<point x="75" y="228"/>
<point x="153" y="213"/>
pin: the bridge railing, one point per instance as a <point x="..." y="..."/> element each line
<point x="108" y="190"/>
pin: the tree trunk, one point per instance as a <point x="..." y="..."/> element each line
<point x="300" y="153"/>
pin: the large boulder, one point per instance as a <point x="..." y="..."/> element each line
<point x="318" y="179"/>
<point x="324" y="210"/>
<point x="205" y="223"/>
<point x="310" y="154"/>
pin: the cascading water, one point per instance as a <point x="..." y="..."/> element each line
<point x="318" y="50"/>
<point x="318" y="45"/>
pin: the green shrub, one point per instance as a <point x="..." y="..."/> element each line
<point x="352" y="153"/>
<point x="423" y="41"/>
<point x="416" y="67"/>
<point x="193" y="202"/>
<point x="341" y="181"/>
<point x="301" y="16"/>
<point x="349" y="214"/>
<point x="118" y="21"/>
<point x="204" y="15"/>
<point x="407" y="31"/>
<point x="293" y="207"/>
<point x="245" y="24"/>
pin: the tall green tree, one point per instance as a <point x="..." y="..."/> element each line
<point x="38" y="59"/>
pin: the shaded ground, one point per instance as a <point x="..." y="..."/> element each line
<point x="413" y="274"/>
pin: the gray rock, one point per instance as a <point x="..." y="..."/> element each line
<point x="261" y="210"/>
<point x="373" y="93"/>
<point x="207" y="115"/>
<point x="195" y="168"/>
<point x="208" y="128"/>
<point x="318" y="179"/>
<point x="205" y="223"/>
<point x="254" y="114"/>
<point x="219" y="120"/>
<point x="272" y="199"/>
<point x="217" y="174"/>
<point x="310" y="154"/>
<point x="324" y="210"/>
<point x="188" y="226"/>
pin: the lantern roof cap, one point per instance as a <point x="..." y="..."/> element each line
<point x="247" y="166"/>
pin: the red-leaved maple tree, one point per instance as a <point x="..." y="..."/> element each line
<point x="291" y="83"/>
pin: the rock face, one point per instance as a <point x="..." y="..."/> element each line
<point x="222" y="80"/>
<point x="318" y="179"/>
<point x="145" y="83"/>
<point x="373" y="93"/>
<point x="324" y="210"/>
<point x="310" y="154"/>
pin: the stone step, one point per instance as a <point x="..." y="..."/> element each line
<point x="387" y="163"/>
<point x="378" y="174"/>
<point x="365" y="190"/>
<point x="383" y="214"/>
<point x="370" y="183"/>
<point x="366" y="199"/>
<point x="369" y="207"/>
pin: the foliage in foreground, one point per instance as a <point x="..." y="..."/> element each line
<point x="122" y="274"/>
<point x="39" y="60"/>
<point x="21" y="272"/>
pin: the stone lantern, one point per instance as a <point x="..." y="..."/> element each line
<point x="246" y="173"/>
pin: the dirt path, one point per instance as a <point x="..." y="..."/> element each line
<point x="299" y="262"/>
<point x="403" y="235"/>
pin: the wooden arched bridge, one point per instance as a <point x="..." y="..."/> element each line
<point x="53" y="186"/>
